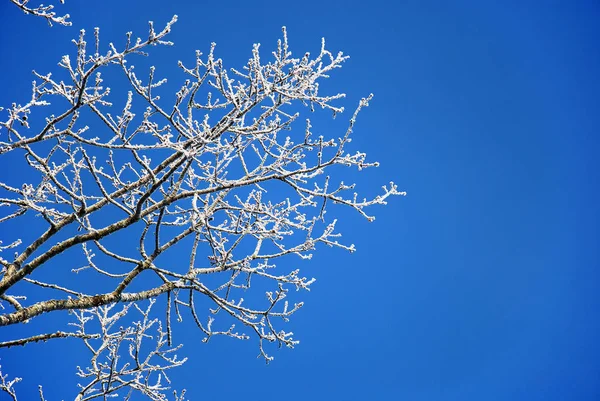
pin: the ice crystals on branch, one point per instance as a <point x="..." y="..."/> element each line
<point x="217" y="171"/>
<point x="120" y="360"/>
<point x="6" y="385"/>
<point x="43" y="12"/>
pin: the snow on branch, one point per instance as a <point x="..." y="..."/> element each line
<point x="7" y="385"/>
<point x="207" y="193"/>
<point x="121" y="362"/>
<point x="44" y="12"/>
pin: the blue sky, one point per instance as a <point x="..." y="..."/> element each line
<point x="482" y="283"/>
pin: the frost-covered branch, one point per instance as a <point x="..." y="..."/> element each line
<point x="122" y="360"/>
<point x="45" y="337"/>
<point x="120" y="364"/>
<point x="7" y="385"/>
<point x="43" y="11"/>
<point x="189" y="195"/>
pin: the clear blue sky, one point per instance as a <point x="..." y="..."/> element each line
<point x="481" y="284"/>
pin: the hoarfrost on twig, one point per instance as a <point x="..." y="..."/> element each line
<point x="43" y="12"/>
<point x="216" y="171"/>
